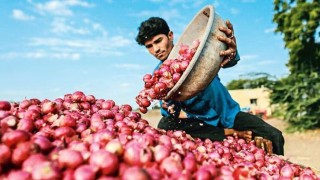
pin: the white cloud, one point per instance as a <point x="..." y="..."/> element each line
<point x="270" y="30"/>
<point x="166" y="14"/>
<point x="51" y="55"/>
<point x="59" y="25"/>
<point x="40" y="54"/>
<point x="20" y="15"/>
<point x="248" y="1"/>
<point x="249" y="57"/>
<point x="129" y="66"/>
<point x="266" y="62"/>
<point x="60" y="8"/>
<point x="125" y="84"/>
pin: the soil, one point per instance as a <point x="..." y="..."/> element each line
<point x="300" y="147"/>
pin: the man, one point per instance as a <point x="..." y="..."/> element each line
<point x="212" y="113"/>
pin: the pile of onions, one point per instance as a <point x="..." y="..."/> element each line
<point x="81" y="137"/>
<point x="164" y="78"/>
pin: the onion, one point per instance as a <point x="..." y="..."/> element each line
<point x="24" y="104"/>
<point x="287" y="171"/>
<point x="19" y="174"/>
<point x="114" y="146"/>
<point x="136" y="154"/>
<point x="78" y="96"/>
<point x="160" y="152"/>
<point x="32" y="161"/>
<point x="5" y="105"/>
<point x="190" y="163"/>
<point x="23" y="151"/>
<point x="45" y="170"/>
<point x="10" y="121"/>
<point x="43" y="142"/>
<point x="48" y="107"/>
<point x="106" y="161"/>
<point x="5" y="154"/>
<point x="170" y="166"/>
<point x="70" y="158"/>
<point x="12" y="138"/>
<point x="86" y="172"/>
<point x="26" y="125"/>
<point x="63" y="132"/>
<point x="133" y="173"/>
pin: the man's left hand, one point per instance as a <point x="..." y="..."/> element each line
<point x="230" y="40"/>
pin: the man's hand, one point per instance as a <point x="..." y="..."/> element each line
<point x="264" y="144"/>
<point x="170" y="108"/>
<point x="231" y="42"/>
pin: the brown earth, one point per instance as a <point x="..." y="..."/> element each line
<point x="301" y="148"/>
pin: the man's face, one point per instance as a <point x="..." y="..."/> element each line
<point x="160" y="45"/>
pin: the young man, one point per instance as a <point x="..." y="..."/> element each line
<point x="212" y="113"/>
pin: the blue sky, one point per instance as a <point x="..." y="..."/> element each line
<point x="51" y="48"/>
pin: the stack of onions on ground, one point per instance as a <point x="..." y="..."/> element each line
<point x="164" y="78"/>
<point x="80" y="137"/>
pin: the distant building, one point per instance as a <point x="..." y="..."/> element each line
<point x="255" y="101"/>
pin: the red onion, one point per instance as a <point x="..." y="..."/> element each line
<point x="114" y="146"/>
<point x="286" y="171"/>
<point x="78" y="96"/>
<point x="70" y="158"/>
<point x="12" y="138"/>
<point x="23" y="151"/>
<point x="86" y="172"/>
<point x="160" y="152"/>
<point x="19" y="174"/>
<point x="106" y="161"/>
<point x="48" y="107"/>
<point x="33" y="160"/>
<point x="5" y="105"/>
<point x="133" y="173"/>
<point x="170" y="166"/>
<point x="5" y="154"/>
<point x="26" y="125"/>
<point x="46" y="170"/>
<point x="136" y="154"/>
<point x="24" y="104"/>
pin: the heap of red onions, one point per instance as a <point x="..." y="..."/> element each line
<point x="164" y="78"/>
<point x="81" y="137"/>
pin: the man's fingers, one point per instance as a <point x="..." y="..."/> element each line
<point x="229" y="25"/>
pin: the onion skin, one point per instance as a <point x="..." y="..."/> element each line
<point x="11" y="138"/>
<point x="5" y="154"/>
<point x="32" y="161"/>
<point x="86" y="172"/>
<point x="19" y="174"/>
<point x="70" y="158"/>
<point x="5" y="105"/>
<point x="107" y="162"/>
<point x="134" y="173"/>
<point x="23" y="151"/>
<point x="46" y="170"/>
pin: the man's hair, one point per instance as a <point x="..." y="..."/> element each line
<point x="150" y="28"/>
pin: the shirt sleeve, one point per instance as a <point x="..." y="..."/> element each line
<point x="233" y="62"/>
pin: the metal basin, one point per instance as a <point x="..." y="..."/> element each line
<point x="205" y="63"/>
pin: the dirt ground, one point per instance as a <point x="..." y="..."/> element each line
<point x="301" y="148"/>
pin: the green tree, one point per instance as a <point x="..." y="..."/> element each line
<point x="298" y="94"/>
<point x="251" y="81"/>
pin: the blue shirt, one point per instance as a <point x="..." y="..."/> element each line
<point x="214" y="105"/>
